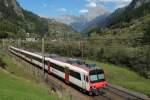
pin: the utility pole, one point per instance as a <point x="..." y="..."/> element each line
<point x="81" y="48"/>
<point x="3" y="43"/>
<point x="18" y="43"/>
<point x="43" y="57"/>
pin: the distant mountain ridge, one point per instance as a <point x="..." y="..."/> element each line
<point x="134" y="10"/>
<point x="98" y="21"/>
<point x="79" y="23"/>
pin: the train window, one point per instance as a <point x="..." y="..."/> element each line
<point x="58" y="67"/>
<point x="96" y="76"/>
<point x="84" y="77"/>
<point x="36" y="58"/>
<point x="75" y="74"/>
<point x="46" y="62"/>
<point x="87" y="79"/>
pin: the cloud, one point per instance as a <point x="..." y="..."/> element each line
<point x="83" y="11"/>
<point x="118" y="3"/>
<point x="62" y="9"/>
<point x="94" y="7"/>
<point x="91" y="4"/>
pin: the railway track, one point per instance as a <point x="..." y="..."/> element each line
<point x="126" y="94"/>
<point x="113" y="93"/>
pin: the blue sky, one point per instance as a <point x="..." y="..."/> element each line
<point x="49" y="8"/>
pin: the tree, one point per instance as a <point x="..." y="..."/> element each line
<point x="146" y="36"/>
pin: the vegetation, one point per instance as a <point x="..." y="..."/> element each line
<point x="119" y="74"/>
<point x="128" y="45"/>
<point x="17" y="84"/>
<point x="146" y="36"/>
<point x="126" y="15"/>
<point x="14" y="88"/>
<point x="125" y="43"/>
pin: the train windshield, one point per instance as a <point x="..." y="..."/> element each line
<point x="96" y="76"/>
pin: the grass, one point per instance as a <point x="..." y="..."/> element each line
<point x="124" y="77"/>
<point x="15" y="83"/>
<point x="14" y="88"/>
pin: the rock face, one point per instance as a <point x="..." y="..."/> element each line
<point x="10" y="7"/>
<point x="96" y="22"/>
<point x="17" y="9"/>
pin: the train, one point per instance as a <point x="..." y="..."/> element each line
<point x="88" y="77"/>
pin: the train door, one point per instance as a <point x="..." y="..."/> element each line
<point x="67" y="74"/>
<point x="49" y="67"/>
<point x="84" y="82"/>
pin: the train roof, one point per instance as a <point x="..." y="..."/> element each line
<point x="79" y="63"/>
<point x="76" y="64"/>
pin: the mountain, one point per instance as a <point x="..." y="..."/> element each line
<point x="7" y="7"/>
<point x="122" y="16"/>
<point x="84" y="23"/>
<point x="126" y="40"/>
<point x="16" y="22"/>
<point x="136" y="9"/>
<point x="98" y="21"/>
<point x="79" y="23"/>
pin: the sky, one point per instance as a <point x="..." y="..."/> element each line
<point x="50" y="8"/>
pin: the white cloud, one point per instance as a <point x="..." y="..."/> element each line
<point x="118" y="3"/>
<point x="91" y="0"/>
<point x="63" y="9"/>
<point x="91" y="4"/>
<point x="83" y="11"/>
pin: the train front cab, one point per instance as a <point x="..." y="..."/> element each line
<point x="97" y="82"/>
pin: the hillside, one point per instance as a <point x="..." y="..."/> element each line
<point x="135" y="10"/>
<point x="125" y="78"/>
<point x="16" y="22"/>
<point x="14" y="88"/>
<point x="122" y="16"/>
<point x="127" y="40"/>
<point x="16" y="83"/>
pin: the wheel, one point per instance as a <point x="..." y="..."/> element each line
<point x="90" y="93"/>
<point x="96" y="93"/>
<point x="67" y="82"/>
<point x="84" y="91"/>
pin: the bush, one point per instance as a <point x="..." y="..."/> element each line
<point x="2" y="64"/>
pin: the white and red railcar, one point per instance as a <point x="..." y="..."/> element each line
<point x="87" y="77"/>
